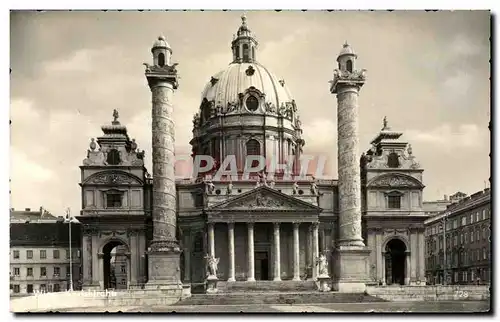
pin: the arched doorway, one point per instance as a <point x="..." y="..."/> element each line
<point x="395" y="262"/>
<point x="115" y="258"/>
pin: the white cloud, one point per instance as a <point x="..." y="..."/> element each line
<point x="448" y="137"/>
<point x="24" y="167"/>
<point x="78" y="61"/>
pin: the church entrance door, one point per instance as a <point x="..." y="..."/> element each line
<point x="395" y="262"/>
<point x="261" y="266"/>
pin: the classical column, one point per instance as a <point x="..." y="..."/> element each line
<point x="251" y="262"/>
<point x="421" y="257"/>
<point x="315" y="242"/>
<point x="86" y="259"/>
<point x="296" y="252"/>
<point x="413" y="257"/>
<point x="384" y="259"/>
<point x="352" y="271"/>
<point x="211" y="239"/>
<point x="96" y="269"/>
<point x="164" y="253"/>
<point x="230" y="233"/>
<point x="408" y="267"/>
<point x="133" y="258"/>
<point x="378" y="255"/>
<point x="277" y="256"/>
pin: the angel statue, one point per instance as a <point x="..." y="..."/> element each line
<point x="212" y="265"/>
<point x="323" y="264"/>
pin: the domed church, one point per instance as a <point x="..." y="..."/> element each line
<point x="270" y="230"/>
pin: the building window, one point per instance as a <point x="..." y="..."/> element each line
<point x="17" y="271"/>
<point x="43" y="254"/>
<point x="16" y="254"/>
<point x="113" y="200"/>
<point x="478" y="237"/>
<point x="57" y="271"/>
<point x="67" y="254"/>
<point x="464" y="221"/>
<point x="246" y="52"/>
<point x="29" y="288"/>
<point x="484" y="214"/>
<point x="29" y="254"/>
<point x="455" y="240"/>
<point x="56" y="253"/>
<point x="348" y="65"/>
<point x="394" y="202"/>
<point x="29" y="271"/>
<point x="466" y="238"/>
<point x="471" y="218"/>
<point x="17" y="289"/>
<point x="161" y="59"/>
<point x="477" y="254"/>
<point x="253" y="147"/>
<point x="484" y="233"/>
<point x="43" y="271"/>
<point x="477" y="216"/>
<point x="57" y="288"/>
<point x="43" y="288"/>
<point x="472" y="236"/>
<point x="484" y="253"/>
<point x="252" y="103"/>
<point x="68" y="270"/>
<point x="123" y="282"/>
<point x="393" y="160"/>
<point x="123" y="270"/>
<point x="454" y="224"/>
<point x="113" y="157"/>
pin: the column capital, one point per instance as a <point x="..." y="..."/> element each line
<point x="230" y="224"/>
<point x="276" y="224"/>
<point x="250" y="224"/>
<point x="315" y="225"/>
<point x="210" y="224"/>
<point x="296" y="224"/>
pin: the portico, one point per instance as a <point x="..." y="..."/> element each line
<point x="263" y="229"/>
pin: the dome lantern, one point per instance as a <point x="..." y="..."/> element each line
<point x="347" y="58"/>
<point x="161" y="52"/>
<point x="244" y="44"/>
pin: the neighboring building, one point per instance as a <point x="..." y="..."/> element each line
<point x="271" y="229"/>
<point x="468" y="245"/>
<point x="120" y="267"/>
<point x="435" y="207"/>
<point x="39" y="252"/>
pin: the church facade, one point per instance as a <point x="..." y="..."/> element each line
<point x="264" y="227"/>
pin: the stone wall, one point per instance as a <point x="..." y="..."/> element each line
<point x="431" y="293"/>
<point x="63" y="300"/>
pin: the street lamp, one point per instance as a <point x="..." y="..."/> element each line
<point x="68" y="220"/>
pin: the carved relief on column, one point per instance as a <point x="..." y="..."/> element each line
<point x="230" y="227"/>
<point x="87" y="256"/>
<point x="349" y="184"/>
<point x="277" y="255"/>
<point x="296" y="252"/>
<point x="163" y="140"/>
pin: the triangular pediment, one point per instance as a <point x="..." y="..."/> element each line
<point x="264" y="198"/>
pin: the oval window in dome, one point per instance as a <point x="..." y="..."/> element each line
<point x="252" y="103"/>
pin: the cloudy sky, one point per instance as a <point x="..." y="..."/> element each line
<point x="427" y="72"/>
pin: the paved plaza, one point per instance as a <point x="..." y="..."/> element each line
<point x="422" y="307"/>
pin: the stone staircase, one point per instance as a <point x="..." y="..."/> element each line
<point x="253" y="298"/>
<point x="271" y="292"/>
<point x="266" y="286"/>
